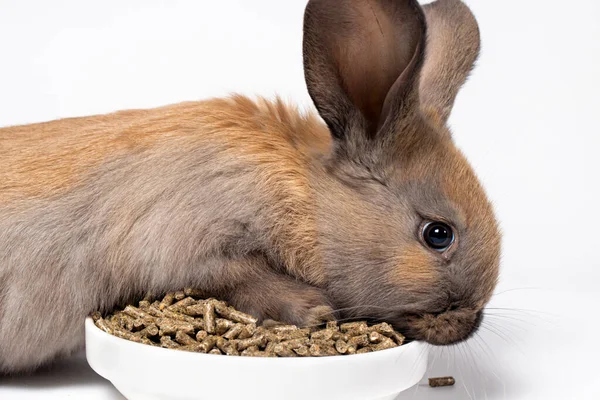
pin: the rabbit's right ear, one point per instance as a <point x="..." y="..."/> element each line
<point x="361" y="61"/>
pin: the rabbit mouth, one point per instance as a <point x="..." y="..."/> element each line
<point x="443" y="329"/>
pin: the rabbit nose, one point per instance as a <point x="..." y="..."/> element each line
<point x="452" y="325"/>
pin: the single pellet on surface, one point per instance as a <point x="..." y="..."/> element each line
<point x="443" y="381"/>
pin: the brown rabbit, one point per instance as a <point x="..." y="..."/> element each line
<point x="376" y="213"/>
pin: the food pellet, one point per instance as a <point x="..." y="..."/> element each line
<point x="191" y="292"/>
<point x="185" y="321"/>
<point x="209" y="317"/>
<point x="184" y="338"/>
<point x="208" y="344"/>
<point x="180" y="295"/>
<point x="167" y="342"/>
<point x="233" y="332"/>
<point x="283" y="351"/>
<point x="341" y="346"/>
<point x="223" y="325"/>
<point x="181" y="304"/>
<point x="201" y="335"/>
<point x="167" y="301"/>
<point x="443" y="381"/>
<point x="247" y="332"/>
<point x="143" y="303"/>
<point x="234" y="315"/>
<point x="149" y="330"/>
<point x="302" y="351"/>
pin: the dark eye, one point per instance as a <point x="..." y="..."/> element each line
<point x="438" y="236"/>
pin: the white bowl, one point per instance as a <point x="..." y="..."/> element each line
<point x="142" y="372"/>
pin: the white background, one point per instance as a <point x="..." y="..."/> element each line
<point x="528" y="120"/>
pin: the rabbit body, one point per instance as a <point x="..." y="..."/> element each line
<point x="114" y="206"/>
<point x="374" y="213"/>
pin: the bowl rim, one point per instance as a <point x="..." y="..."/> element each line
<point x="90" y="327"/>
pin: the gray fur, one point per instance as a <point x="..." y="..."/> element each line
<point x="186" y="221"/>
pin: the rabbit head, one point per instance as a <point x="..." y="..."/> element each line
<point x="406" y="230"/>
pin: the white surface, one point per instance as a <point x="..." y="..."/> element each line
<point x="132" y="367"/>
<point x="528" y="120"/>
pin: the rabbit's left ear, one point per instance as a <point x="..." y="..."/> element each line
<point x="362" y="60"/>
<point x="452" y="47"/>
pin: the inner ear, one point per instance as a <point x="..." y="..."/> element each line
<point x="361" y="55"/>
<point x="375" y="57"/>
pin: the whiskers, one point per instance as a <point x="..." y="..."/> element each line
<point x="515" y="290"/>
<point x="479" y="362"/>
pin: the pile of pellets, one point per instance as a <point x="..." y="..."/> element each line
<point x="185" y="321"/>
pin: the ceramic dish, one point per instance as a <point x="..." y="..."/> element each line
<point x="142" y="372"/>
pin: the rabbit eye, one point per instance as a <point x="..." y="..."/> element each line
<point x="438" y="236"/>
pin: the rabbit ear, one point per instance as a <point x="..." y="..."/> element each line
<point x="452" y="47"/>
<point x="361" y="62"/>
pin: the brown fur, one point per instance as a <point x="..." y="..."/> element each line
<point x="51" y="161"/>
<point x="414" y="267"/>
<point x="256" y="203"/>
